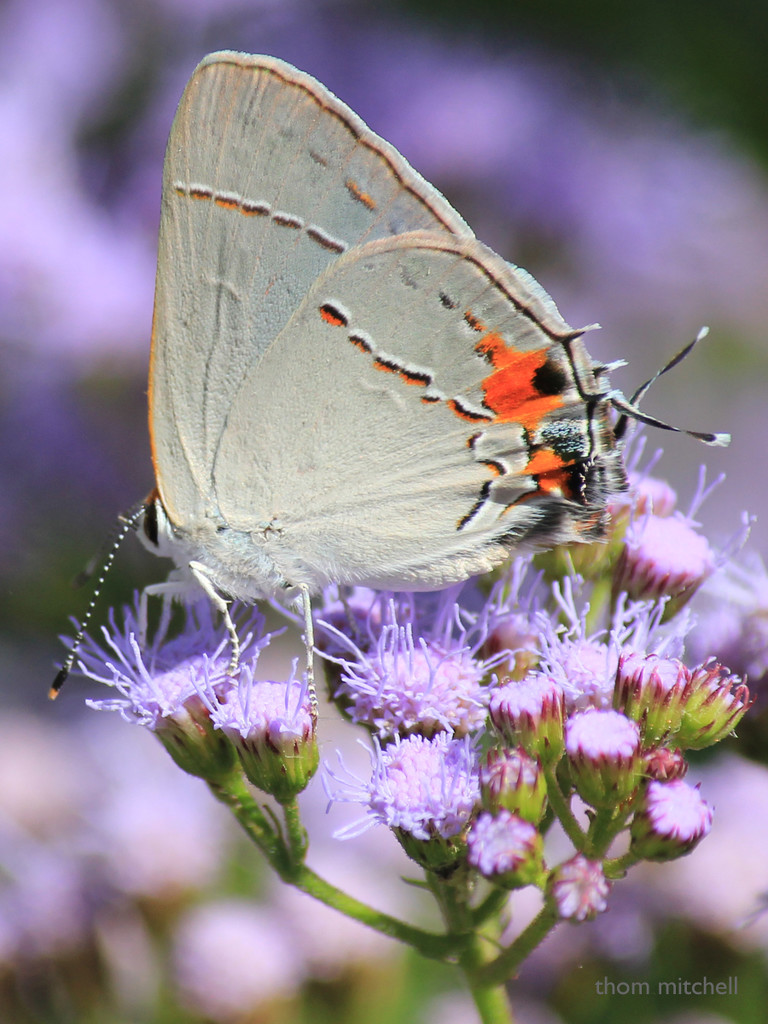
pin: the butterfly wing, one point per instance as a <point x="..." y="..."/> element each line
<point x="425" y="408"/>
<point x="268" y="180"/>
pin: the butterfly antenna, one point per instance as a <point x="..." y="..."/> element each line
<point x="629" y="408"/>
<point x="127" y="522"/>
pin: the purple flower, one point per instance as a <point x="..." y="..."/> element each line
<point x="579" y="889"/>
<point x="664" y="764"/>
<point x="414" y="670"/>
<point x="733" y="618"/>
<point x="584" y="666"/>
<point x="44" y="899"/>
<point x="505" y="848"/>
<point x="601" y="734"/>
<point x="586" y="669"/>
<point x="277" y="712"/>
<point x="651" y="690"/>
<point x="75" y="274"/>
<point x="651" y="495"/>
<point x="155" y="679"/>
<point x="99" y="818"/>
<point x="155" y="831"/>
<point x="515" y="781"/>
<point x="715" y="703"/>
<point x="603" y="749"/>
<point x="347" y="614"/>
<point x="170" y="686"/>
<point x="516" y="634"/>
<point x="672" y="819"/>
<point x="512" y="617"/>
<point x="663" y="556"/>
<point x="272" y="728"/>
<point x="530" y="712"/>
<point x="650" y="670"/>
<point x="425" y="787"/>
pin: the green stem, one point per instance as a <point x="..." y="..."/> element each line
<point x="491" y="906"/>
<point x="562" y="809"/>
<point x="506" y="963"/>
<point x="602" y="833"/>
<point x="606" y="825"/>
<point x="429" y="944"/>
<point x="617" y="867"/>
<point x="295" y="832"/>
<point x="282" y="858"/>
<point x="490" y="998"/>
<point x="237" y="797"/>
<point x="452" y="896"/>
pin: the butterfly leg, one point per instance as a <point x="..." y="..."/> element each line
<point x="222" y="605"/>
<point x="309" y="641"/>
<point x="166" y="592"/>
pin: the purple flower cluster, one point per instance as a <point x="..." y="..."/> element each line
<point x="180" y="688"/>
<point x="489" y="712"/>
<point x="497" y="713"/>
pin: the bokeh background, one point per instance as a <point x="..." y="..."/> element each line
<point x="617" y="151"/>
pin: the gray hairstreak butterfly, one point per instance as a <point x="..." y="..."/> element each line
<point x="345" y="384"/>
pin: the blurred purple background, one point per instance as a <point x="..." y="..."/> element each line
<point x="628" y="210"/>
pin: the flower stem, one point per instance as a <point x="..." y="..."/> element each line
<point x="490" y="998"/>
<point x="491" y="906"/>
<point x="563" y="811"/>
<point x="599" y="601"/>
<point x="234" y="793"/>
<point x="617" y="867"/>
<point x="429" y="944"/>
<point x="452" y="895"/>
<point x="295" y="832"/>
<point x="601" y="834"/>
<point x="283" y="859"/>
<point x="507" y="962"/>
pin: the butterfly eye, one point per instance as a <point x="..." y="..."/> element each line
<point x="149" y="525"/>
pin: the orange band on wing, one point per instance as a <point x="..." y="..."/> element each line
<point x="510" y="391"/>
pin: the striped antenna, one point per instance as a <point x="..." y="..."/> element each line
<point x="126" y="522"/>
<point x="629" y="410"/>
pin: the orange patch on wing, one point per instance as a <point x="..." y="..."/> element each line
<point x="510" y="391"/>
<point x="544" y="461"/>
<point x="553" y="476"/>
<point x="253" y="209"/>
<point x="410" y="378"/>
<point x="549" y="485"/>
<point x="357" y="193"/>
<point x="381" y="364"/>
<point x="473" y="321"/>
<point x="555" y="483"/>
<point x="330" y="317"/>
<point x="228" y="204"/>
